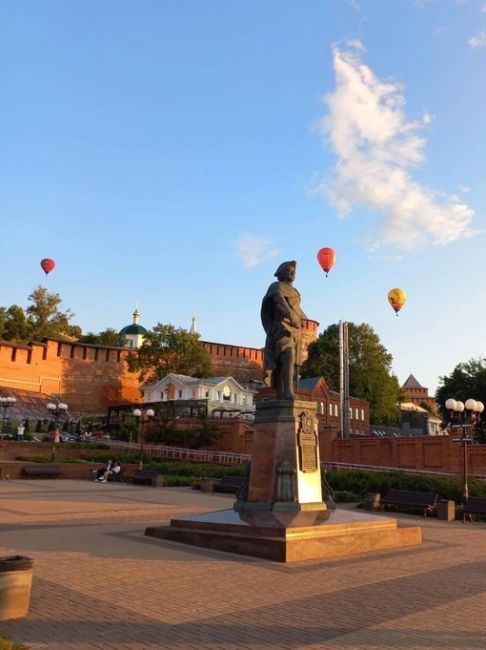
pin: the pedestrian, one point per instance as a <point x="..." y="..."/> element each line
<point x="104" y="473"/>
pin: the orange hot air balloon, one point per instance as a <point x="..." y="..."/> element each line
<point x="326" y="258"/>
<point x="397" y="298"/>
<point x="47" y="265"/>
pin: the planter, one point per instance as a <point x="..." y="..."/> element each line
<point x="15" y="584"/>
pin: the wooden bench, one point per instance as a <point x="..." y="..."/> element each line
<point x="229" y="484"/>
<point x="44" y="471"/>
<point x="148" y="477"/>
<point x="425" y="501"/>
<point x="474" y="506"/>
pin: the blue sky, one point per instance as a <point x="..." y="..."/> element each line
<point x="174" y="152"/>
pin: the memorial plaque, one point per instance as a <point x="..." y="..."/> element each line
<point x="307" y="441"/>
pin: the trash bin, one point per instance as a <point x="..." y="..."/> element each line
<point x="15" y="584"/>
<point x="446" y="510"/>
<point x="207" y="485"/>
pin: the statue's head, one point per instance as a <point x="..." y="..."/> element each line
<point x="286" y="271"/>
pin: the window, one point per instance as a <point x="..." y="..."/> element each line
<point x="356" y="414"/>
<point x="321" y="408"/>
<point x="226" y="394"/>
<point x="243" y="399"/>
<point x="330" y="408"/>
<point x="336" y="411"/>
<point x="206" y="393"/>
<point x="350" y="412"/>
<point x="179" y="392"/>
<point x="362" y="415"/>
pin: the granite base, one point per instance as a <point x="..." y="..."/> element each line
<point x="267" y="535"/>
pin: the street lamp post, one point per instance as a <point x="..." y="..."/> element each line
<point x="56" y="410"/>
<point x="467" y="416"/>
<point x="138" y="414"/>
<point x="5" y="404"/>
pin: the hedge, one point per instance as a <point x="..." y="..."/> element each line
<point x="361" y="482"/>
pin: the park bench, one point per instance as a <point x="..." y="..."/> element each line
<point x="44" y="471"/>
<point x="425" y="501"/>
<point x="229" y="484"/>
<point x="474" y="506"/>
<point x="147" y="477"/>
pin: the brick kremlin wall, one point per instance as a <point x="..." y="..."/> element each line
<point x="92" y="377"/>
<point x="245" y="364"/>
<point x="87" y="377"/>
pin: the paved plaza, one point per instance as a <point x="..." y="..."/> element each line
<point x="99" y="583"/>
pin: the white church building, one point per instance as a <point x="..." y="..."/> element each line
<point x="225" y="396"/>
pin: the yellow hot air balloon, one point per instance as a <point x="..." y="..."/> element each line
<point x="397" y="298"/>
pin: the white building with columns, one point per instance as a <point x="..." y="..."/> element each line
<point x="224" y="395"/>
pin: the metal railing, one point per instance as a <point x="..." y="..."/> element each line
<point x="181" y="453"/>
<point x="379" y="468"/>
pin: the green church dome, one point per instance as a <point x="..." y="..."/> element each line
<point x="133" y="329"/>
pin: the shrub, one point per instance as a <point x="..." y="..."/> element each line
<point x="181" y="481"/>
<point x="33" y="459"/>
<point x="360" y="482"/>
<point x="345" y="496"/>
<point x="172" y="467"/>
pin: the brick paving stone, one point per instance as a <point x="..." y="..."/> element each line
<point x="100" y="584"/>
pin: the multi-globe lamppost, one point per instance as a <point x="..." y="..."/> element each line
<point x="465" y="416"/>
<point x="56" y="410"/>
<point x="5" y="404"/>
<point x="138" y="414"/>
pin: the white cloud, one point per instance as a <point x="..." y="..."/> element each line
<point x="464" y="189"/>
<point x="479" y="40"/>
<point x="376" y="146"/>
<point x="254" y="250"/>
<point x="356" y="44"/>
<point x="355" y="6"/>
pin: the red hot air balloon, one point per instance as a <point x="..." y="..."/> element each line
<point x="326" y="258"/>
<point x="47" y="265"/>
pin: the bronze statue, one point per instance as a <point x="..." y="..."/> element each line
<point x="282" y="321"/>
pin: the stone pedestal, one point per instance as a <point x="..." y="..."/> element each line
<point x="283" y="538"/>
<point x="285" y="471"/>
<point x="280" y="514"/>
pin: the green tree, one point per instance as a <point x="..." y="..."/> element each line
<point x="45" y="317"/>
<point x="3" y="316"/>
<point x="467" y="380"/>
<point x="16" y="326"/>
<point x="168" y="349"/>
<point x="108" y="337"/>
<point x="370" y="373"/>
